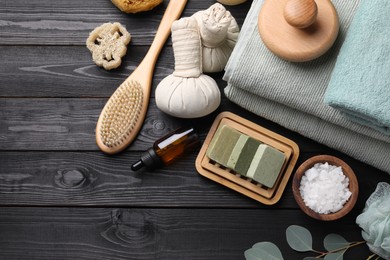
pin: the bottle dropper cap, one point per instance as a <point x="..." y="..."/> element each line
<point x="149" y="159"/>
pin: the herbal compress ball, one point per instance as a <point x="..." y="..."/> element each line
<point x="187" y="93"/>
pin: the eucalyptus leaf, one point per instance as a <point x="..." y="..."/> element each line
<point x="263" y="251"/>
<point x="270" y="248"/>
<point x="335" y="241"/>
<point x="251" y="255"/>
<point x="335" y="256"/>
<point x="310" y="258"/>
<point x="299" y="238"/>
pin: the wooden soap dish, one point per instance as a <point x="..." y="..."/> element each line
<point x="298" y="30"/>
<point x="212" y="170"/>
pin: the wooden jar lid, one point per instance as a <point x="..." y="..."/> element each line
<point x="298" y="30"/>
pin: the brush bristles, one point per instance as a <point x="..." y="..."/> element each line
<point x="121" y="114"/>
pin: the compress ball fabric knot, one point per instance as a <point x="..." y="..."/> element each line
<point x="219" y="33"/>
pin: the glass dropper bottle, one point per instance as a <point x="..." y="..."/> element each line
<point x="168" y="148"/>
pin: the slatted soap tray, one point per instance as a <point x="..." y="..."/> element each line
<point x="248" y="186"/>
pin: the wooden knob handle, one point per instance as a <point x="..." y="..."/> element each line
<point x="300" y="13"/>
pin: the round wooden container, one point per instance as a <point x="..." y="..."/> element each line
<point x="298" y="30"/>
<point x="353" y="186"/>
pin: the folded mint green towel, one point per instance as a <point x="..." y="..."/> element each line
<point x="292" y="94"/>
<point x="360" y="82"/>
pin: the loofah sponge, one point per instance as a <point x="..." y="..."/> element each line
<point x="108" y="44"/>
<point x="375" y="221"/>
<point x="135" y="6"/>
<point x="231" y="2"/>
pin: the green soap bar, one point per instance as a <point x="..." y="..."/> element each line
<point x="266" y="165"/>
<point x="246" y="155"/>
<point x="222" y="144"/>
<point x="231" y="163"/>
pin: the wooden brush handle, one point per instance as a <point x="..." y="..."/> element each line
<point x="172" y="13"/>
<point x="123" y="115"/>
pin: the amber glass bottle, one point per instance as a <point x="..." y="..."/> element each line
<point x="168" y="148"/>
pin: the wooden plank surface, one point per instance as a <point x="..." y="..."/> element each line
<point x="69" y="124"/>
<point x="68" y="71"/>
<point x="92" y="178"/>
<point x="61" y="198"/>
<point x="136" y="233"/>
<point x="56" y="22"/>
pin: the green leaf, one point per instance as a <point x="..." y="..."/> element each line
<point x="299" y="238"/>
<point x="263" y="251"/>
<point x="250" y="254"/>
<point x="335" y="241"/>
<point x="335" y="256"/>
<point x="269" y="248"/>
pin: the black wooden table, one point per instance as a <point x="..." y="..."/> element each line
<point x="61" y="198"/>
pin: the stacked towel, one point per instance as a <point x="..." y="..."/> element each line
<point x="360" y="82"/>
<point x="291" y="94"/>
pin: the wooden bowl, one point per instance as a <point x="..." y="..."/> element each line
<point x="353" y="186"/>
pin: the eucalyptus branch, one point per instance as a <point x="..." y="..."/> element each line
<point x="300" y="239"/>
<point x="318" y="252"/>
<point x="352" y="244"/>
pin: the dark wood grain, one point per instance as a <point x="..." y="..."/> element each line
<point x="92" y="178"/>
<point x="68" y="71"/>
<point x="61" y="198"/>
<point x="56" y="22"/>
<point x="63" y="124"/>
<point x="69" y="124"/>
<point x="134" y="233"/>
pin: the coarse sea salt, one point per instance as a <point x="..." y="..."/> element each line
<point x="324" y="188"/>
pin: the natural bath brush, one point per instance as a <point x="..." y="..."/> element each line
<point x="123" y="115"/>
